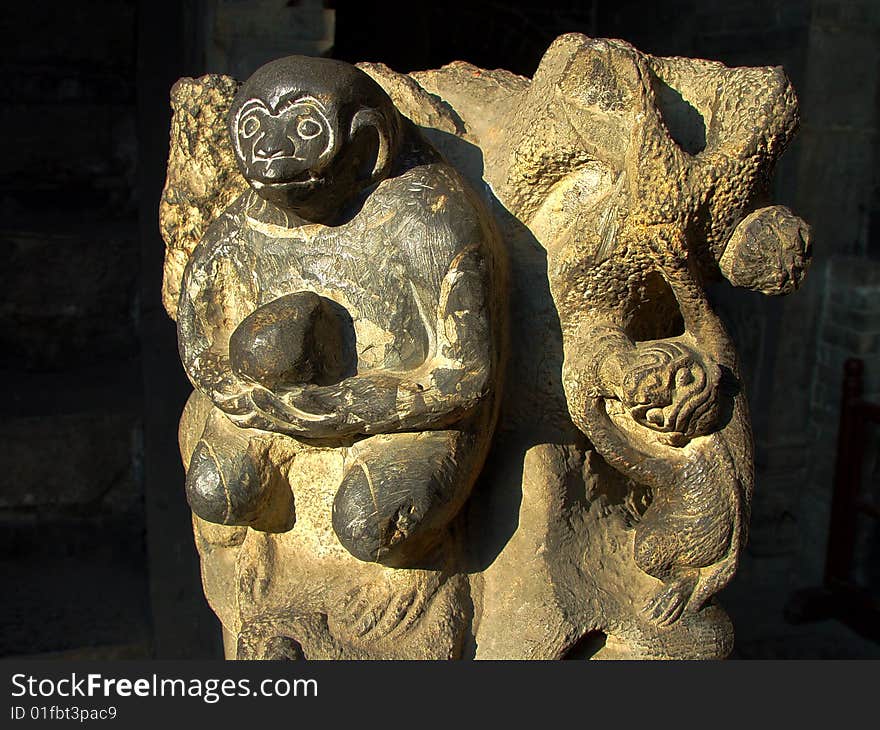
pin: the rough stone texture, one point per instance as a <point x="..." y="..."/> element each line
<point x="775" y="357"/>
<point x="204" y="173"/>
<point x="827" y="175"/>
<point x="615" y="501"/>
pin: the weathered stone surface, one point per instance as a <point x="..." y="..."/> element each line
<point x="614" y="503"/>
<point x="201" y="172"/>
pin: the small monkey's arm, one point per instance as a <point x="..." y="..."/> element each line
<point x="455" y="378"/>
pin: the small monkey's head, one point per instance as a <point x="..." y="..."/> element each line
<point x="309" y="134"/>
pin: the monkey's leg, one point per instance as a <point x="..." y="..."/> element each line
<point x="400" y="493"/>
<point x="686" y="528"/>
<point x="230" y="480"/>
<point x="658" y="550"/>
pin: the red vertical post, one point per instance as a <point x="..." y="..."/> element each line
<point x="847" y="472"/>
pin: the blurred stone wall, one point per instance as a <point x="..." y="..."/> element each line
<point x="71" y="504"/>
<point x="236" y="37"/>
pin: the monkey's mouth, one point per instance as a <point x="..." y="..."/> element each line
<point x="306" y="179"/>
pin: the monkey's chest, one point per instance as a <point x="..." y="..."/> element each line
<point x="388" y="308"/>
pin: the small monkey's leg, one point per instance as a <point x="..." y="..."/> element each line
<point x="400" y="493"/>
<point x="685" y="529"/>
<point x="658" y="552"/>
<point x="230" y="482"/>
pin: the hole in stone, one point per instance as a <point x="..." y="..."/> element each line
<point x="587" y="646"/>
<point x="684" y="123"/>
<point x="655" y="314"/>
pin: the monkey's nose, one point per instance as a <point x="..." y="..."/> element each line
<point x="269" y="148"/>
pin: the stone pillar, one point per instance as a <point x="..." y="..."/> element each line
<point x="459" y="389"/>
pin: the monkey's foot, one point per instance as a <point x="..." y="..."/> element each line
<point x="378" y="610"/>
<point x="395" y="501"/>
<point x="632" y="511"/>
<point x="226" y="491"/>
<point x="272" y="648"/>
<point x="667" y="606"/>
<point x="373" y="524"/>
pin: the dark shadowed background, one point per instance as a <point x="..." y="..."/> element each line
<point x="97" y="555"/>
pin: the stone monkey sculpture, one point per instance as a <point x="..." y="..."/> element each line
<point x="349" y="298"/>
<point x="651" y="374"/>
<point x="640" y="179"/>
<point x="614" y="219"/>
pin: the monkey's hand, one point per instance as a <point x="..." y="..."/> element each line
<point x="350" y="407"/>
<point x="443" y="390"/>
<point x="668" y="604"/>
<point x="295" y="411"/>
<point x="377" y="401"/>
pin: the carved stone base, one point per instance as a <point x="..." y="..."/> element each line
<point x="611" y="502"/>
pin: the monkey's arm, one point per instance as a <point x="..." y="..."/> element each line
<point x="215" y="293"/>
<point x="455" y="378"/>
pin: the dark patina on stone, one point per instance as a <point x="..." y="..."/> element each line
<point x="346" y="297"/>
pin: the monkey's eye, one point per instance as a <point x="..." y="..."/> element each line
<point x="308" y="128"/>
<point x="249" y="127"/>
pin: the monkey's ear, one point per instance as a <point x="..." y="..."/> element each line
<point x="385" y="153"/>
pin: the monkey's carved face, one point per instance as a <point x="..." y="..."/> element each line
<point x="310" y="135"/>
<point x="287" y="146"/>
